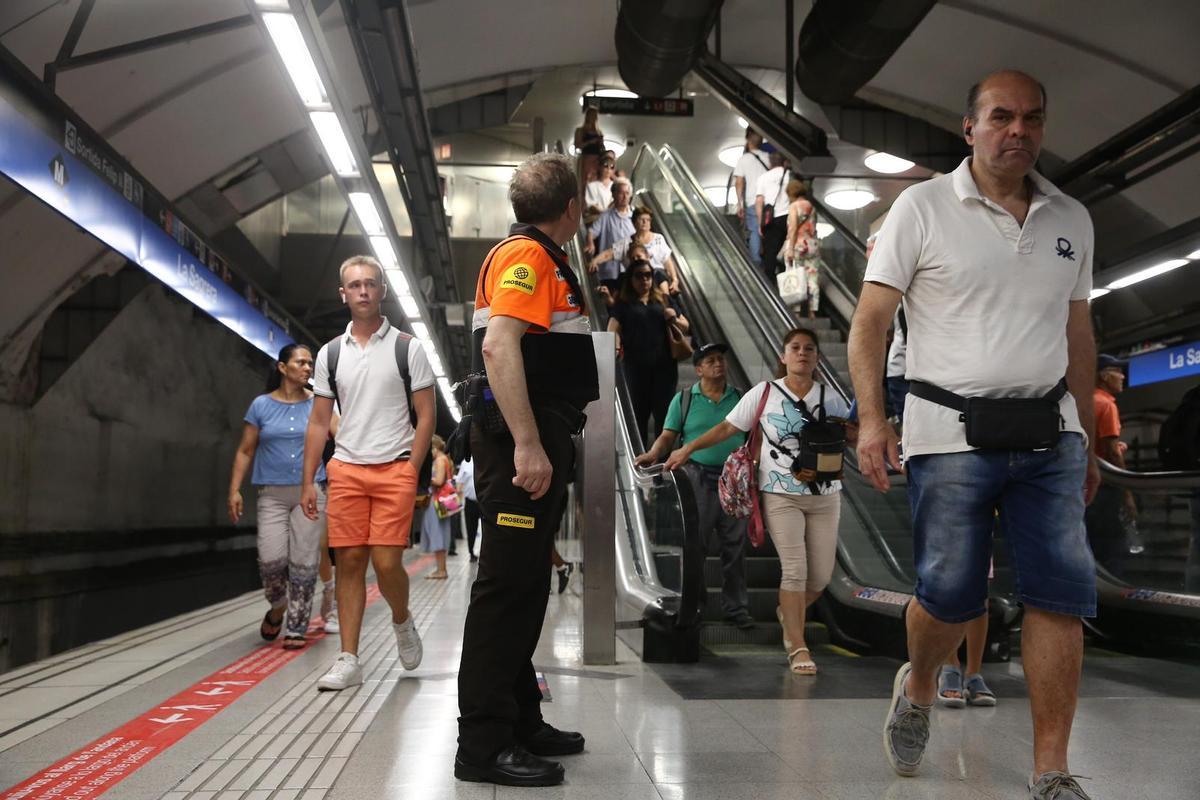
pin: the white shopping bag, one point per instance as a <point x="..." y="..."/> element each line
<point x="793" y="287"/>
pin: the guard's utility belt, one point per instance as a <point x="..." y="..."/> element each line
<point x="483" y="410"/>
<point x="1011" y="423"/>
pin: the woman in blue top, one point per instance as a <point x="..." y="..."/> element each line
<point x="288" y="541"/>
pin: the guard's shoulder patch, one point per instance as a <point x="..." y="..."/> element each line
<point x="514" y="521"/>
<point x="521" y="277"/>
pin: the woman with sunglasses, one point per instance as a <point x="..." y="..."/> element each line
<point x="640" y="319"/>
<point x="801" y="516"/>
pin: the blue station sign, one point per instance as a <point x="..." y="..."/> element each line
<point x="61" y="161"/>
<point x="1165" y="365"/>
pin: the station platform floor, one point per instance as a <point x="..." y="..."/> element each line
<point x="198" y="708"/>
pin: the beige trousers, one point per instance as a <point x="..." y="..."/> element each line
<point x="804" y="528"/>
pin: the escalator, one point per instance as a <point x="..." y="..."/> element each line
<point x="873" y="580"/>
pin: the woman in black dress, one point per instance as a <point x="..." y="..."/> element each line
<point x="640" y="319"/>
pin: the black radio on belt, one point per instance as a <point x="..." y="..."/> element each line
<point x="482" y="406"/>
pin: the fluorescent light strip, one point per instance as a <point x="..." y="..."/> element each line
<point x="398" y="281"/>
<point x="1193" y="256"/>
<point x="420" y="330"/>
<point x="1098" y="293"/>
<point x="286" y="36"/>
<point x="333" y="139"/>
<point x="368" y="216"/>
<point x="409" y="306"/>
<point x="1149" y="272"/>
<point x="382" y="246"/>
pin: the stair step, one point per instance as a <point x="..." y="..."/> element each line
<point x="761" y="573"/>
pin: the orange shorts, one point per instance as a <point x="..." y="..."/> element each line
<point x="370" y="504"/>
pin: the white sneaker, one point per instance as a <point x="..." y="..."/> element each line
<point x="331" y="622"/>
<point x="344" y="673"/>
<point x="408" y="642"/>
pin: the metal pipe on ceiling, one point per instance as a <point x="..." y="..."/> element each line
<point x="658" y="41"/>
<point x="844" y="43"/>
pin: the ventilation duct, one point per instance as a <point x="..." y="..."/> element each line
<point x="658" y="42"/>
<point x="844" y="43"/>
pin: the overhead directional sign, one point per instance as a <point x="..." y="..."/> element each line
<point x="642" y="106"/>
<point x="57" y="158"/>
<point x="1165" y="365"/>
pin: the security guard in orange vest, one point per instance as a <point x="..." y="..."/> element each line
<point x="532" y="339"/>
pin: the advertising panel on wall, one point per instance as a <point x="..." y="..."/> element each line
<point x="57" y="158"/>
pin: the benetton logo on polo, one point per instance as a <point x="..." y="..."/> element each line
<point x="514" y="521"/>
<point x="1063" y="248"/>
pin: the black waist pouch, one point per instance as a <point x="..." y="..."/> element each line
<point x="1012" y="424"/>
<point x="1003" y="423"/>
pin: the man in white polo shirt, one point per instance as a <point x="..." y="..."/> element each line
<point x="373" y="472"/>
<point x="995" y="266"/>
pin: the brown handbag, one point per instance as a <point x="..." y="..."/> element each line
<point x="681" y="345"/>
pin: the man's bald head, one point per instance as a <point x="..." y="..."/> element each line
<point x="1004" y="76"/>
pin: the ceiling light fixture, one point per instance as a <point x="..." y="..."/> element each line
<point x="850" y="199"/>
<point x="824" y="229"/>
<point x="333" y="139"/>
<point x="368" y="216"/>
<point x="398" y="281"/>
<point x="729" y="155"/>
<point x="742" y="123"/>
<point x="606" y="93"/>
<point x="409" y="306"/>
<point x="887" y="163"/>
<point x="1149" y="272"/>
<point x="1193" y="256"/>
<point x="285" y="33"/>
<point x="420" y="329"/>
<point x="615" y="146"/>
<point x="382" y="246"/>
<point x="1098" y="293"/>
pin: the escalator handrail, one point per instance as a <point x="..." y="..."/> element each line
<point x="828" y="375"/>
<point x="691" y="595"/>
<point x="1165" y="480"/>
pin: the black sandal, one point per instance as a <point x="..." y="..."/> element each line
<point x="270" y="630"/>
<point x="294" y="642"/>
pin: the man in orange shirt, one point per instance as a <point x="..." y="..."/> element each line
<point x="533" y="339"/>
<point x="1104" y="516"/>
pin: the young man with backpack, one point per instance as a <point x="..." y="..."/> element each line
<point x="383" y="384"/>
<point x="691" y="413"/>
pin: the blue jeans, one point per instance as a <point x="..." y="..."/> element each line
<point x="755" y="237"/>
<point x="1039" y="497"/>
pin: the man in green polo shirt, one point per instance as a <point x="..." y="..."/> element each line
<point x="708" y="401"/>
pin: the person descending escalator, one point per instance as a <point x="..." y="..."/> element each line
<point x="643" y="319"/>
<point x="801" y="504"/>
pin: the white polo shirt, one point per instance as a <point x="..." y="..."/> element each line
<point x="772" y="185"/>
<point x="751" y="166"/>
<point x="375" y="427"/>
<point x="986" y="298"/>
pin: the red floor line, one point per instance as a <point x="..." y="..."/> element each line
<point x="94" y="769"/>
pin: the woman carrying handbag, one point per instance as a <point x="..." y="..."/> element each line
<point x="435" y="524"/>
<point x="795" y="481"/>
<point x="646" y="325"/>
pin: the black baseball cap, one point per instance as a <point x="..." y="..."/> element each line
<point x="707" y="350"/>
<point x="1105" y="361"/>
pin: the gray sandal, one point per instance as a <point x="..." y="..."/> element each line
<point x="978" y="693"/>
<point x="951" y="680"/>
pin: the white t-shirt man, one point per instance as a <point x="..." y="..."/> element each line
<point x="375" y="427"/>
<point x="985" y="297"/>
<point x="772" y="185"/>
<point x="781" y="423"/>
<point x="598" y="195"/>
<point x="751" y="165"/>
<point x="898" y="348"/>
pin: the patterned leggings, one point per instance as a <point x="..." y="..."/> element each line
<point x="811" y="264"/>
<point x="289" y="551"/>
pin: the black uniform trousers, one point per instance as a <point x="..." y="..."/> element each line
<point x="498" y="695"/>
